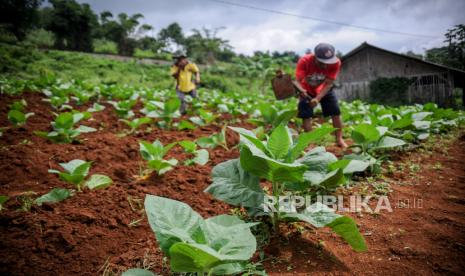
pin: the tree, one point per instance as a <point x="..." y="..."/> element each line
<point x="124" y="31"/>
<point x="452" y="55"/>
<point x="18" y="16"/>
<point x="73" y="25"/>
<point x="204" y="45"/>
<point x="170" y="35"/>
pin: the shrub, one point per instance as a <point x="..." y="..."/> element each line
<point x="41" y="38"/>
<point x="104" y="46"/>
<point x="389" y="91"/>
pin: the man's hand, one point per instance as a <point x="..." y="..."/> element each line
<point x="314" y="102"/>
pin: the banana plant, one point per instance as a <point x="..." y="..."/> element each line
<point x="154" y="153"/>
<point x="63" y="128"/>
<point x="220" y="245"/>
<point x="237" y="181"/>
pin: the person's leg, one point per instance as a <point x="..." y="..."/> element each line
<point x="330" y="107"/>
<point x="306" y="114"/>
<point x="337" y="123"/>
<point x="182" y="96"/>
<point x="307" y="124"/>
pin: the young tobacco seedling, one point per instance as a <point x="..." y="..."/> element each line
<point x="237" y="181"/>
<point x="3" y="199"/>
<point x="154" y="153"/>
<point x="368" y="139"/>
<point x="16" y="114"/>
<point x="214" y="140"/>
<point x="220" y="245"/>
<point x="18" y="118"/>
<point x="205" y="118"/>
<point x="124" y="108"/>
<point x="75" y="173"/>
<point x="63" y="128"/>
<point x="136" y="123"/>
<point x="201" y="155"/>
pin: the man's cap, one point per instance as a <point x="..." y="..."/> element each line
<point x="179" y="54"/>
<point x="326" y="53"/>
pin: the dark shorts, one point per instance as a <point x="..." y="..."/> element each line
<point x="329" y="105"/>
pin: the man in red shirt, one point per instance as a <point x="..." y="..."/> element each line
<point x="315" y="73"/>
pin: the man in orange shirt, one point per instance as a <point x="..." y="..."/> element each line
<point x="315" y="73"/>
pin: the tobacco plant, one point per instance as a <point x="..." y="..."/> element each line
<point x="64" y="130"/>
<point x="237" y="181"/>
<point x="220" y="245"/>
<point x="154" y="154"/>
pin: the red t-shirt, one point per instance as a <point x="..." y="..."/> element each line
<point x="311" y="77"/>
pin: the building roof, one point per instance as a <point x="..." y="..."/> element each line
<point x="365" y="45"/>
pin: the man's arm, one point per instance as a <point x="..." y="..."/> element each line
<point x="328" y="83"/>
<point x="197" y="77"/>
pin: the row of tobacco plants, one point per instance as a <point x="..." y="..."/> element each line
<point x="272" y="153"/>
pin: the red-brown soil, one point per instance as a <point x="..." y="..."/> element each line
<point x="106" y="231"/>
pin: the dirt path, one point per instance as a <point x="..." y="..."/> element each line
<point x="106" y="231"/>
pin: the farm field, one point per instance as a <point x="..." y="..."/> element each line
<point x="413" y="155"/>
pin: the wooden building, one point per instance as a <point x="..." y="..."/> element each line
<point x="431" y="82"/>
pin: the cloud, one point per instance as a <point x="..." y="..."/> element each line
<point x="249" y="30"/>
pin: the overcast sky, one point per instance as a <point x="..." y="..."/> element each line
<point x="249" y="30"/>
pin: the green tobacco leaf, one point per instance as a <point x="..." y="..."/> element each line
<point x="185" y="125"/>
<point x="192" y="258"/>
<point x="161" y="166"/>
<point x="247" y="135"/>
<point x="347" y="229"/>
<point x="320" y="215"/>
<point x="349" y="166"/>
<point x="64" y="120"/>
<point x="365" y="133"/>
<point x="188" y="146"/>
<point x="258" y="163"/>
<point x="206" y="142"/>
<point x="173" y="221"/>
<point x="96" y="108"/>
<point x="16" y="117"/>
<point x="235" y="186"/>
<point x="98" y="181"/>
<point x="284" y="116"/>
<point x="137" y="272"/>
<point x="3" y="199"/>
<point x="197" y="120"/>
<point x="172" y="105"/>
<point x="229" y="239"/>
<point x="390" y="142"/>
<point x="306" y="138"/>
<point x="55" y="195"/>
<point x="402" y="123"/>
<point x="280" y="141"/>
<point x="201" y="157"/>
<point x="328" y="180"/>
<point x="317" y="159"/>
<point x="85" y="129"/>
<point x="77" y="166"/>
